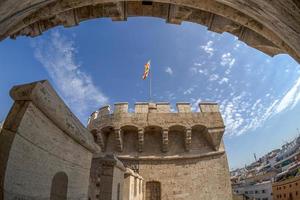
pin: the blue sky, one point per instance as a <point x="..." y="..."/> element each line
<point x="101" y="62"/>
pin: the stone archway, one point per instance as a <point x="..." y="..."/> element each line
<point x="272" y="27"/>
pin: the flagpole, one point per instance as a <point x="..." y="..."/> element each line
<point x="150" y="84"/>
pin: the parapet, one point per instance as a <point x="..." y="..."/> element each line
<point x="150" y="107"/>
<point x="157" y="117"/>
<point x="44" y="97"/>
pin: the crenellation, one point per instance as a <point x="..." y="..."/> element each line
<point x="168" y="146"/>
<point x="184" y="107"/>
<point x="141" y="107"/>
<point x="163" y="107"/>
<point x="121" y="108"/>
<point x="165" y="151"/>
<point x="209" y="107"/>
<point x="103" y="111"/>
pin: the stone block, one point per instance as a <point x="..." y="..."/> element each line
<point x="121" y="108"/>
<point x="209" y="107"/>
<point x="184" y="107"/>
<point x="163" y="107"/>
<point x="141" y="107"/>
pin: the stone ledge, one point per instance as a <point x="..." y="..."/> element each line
<point x="44" y="97"/>
<point x="170" y="157"/>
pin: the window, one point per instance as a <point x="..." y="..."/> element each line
<point x="256" y="191"/>
<point x="296" y="193"/>
<point x="153" y="190"/>
<point x="263" y="191"/>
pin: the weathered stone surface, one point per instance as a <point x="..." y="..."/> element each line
<point x="133" y="186"/>
<point x="189" y="179"/>
<point x="46" y="99"/>
<point x="181" y="153"/>
<point x="36" y="153"/>
<point x="272" y="27"/>
<point x="107" y="178"/>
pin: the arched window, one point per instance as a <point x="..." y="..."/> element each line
<point x="59" y="186"/>
<point x="153" y="190"/>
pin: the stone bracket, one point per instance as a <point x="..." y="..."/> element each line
<point x="121" y="7"/>
<point x="214" y="137"/>
<point x="141" y="140"/>
<point x="100" y="140"/>
<point x="188" y="139"/>
<point x="165" y="140"/>
<point x="119" y="139"/>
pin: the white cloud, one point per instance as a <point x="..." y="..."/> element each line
<point x="290" y="99"/>
<point x="188" y="91"/>
<point x="227" y="60"/>
<point x="223" y="80"/>
<point x="57" y="56"/>
<point x="214" y="77"/>
<point x="198" y="64"/>
<point x="237" y="45"/>
<point x="193" y="70"/>
<point x="240" y="115"/>
<point x="208" y="48"/>
<point x="169" y="71"/>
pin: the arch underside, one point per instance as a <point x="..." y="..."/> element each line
<point x="272" y="27"/>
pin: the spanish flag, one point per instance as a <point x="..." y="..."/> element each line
<point x="147" y="70"/>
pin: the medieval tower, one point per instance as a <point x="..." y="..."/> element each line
<point x="179" y="155"/>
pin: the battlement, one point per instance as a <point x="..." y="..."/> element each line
<point x="133" y="133"/>
<point x="160" y="107"/>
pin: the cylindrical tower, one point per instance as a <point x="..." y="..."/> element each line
<point x="179" y="154"/>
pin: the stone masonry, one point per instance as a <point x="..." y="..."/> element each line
<point x="180" y="155"/>
<point x="272" y="27"/>
<point x="45" y="152"/>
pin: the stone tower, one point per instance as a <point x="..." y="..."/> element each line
<point x="179" y="154"/>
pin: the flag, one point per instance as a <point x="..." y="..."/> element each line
<point x="147" y="70"/>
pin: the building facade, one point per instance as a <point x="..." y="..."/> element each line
<point x="257" y="191"/>
<point x="287" y="190"/>
<point x="180" y="155"/>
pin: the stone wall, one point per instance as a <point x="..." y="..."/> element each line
<point x="205" y="178"/>
<point x="45" y="152"/>
<point x="107" y="178"/>
<point x="133" y="186"/>
<point x="180" y="155"/>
